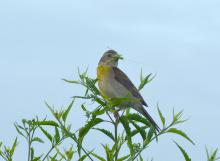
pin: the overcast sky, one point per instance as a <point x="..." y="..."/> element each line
<point x="43" y="41"/>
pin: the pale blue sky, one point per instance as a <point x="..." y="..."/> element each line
<point x="42" y="41"/>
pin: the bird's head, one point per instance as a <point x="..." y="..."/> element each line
<point x="110" y="58"/>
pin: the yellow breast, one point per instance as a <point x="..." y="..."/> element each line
<point x="102" y="72"/>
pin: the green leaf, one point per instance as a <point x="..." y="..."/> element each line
<point x="60" y="154"/>
<point x="186" y="156"/>
<point x="98" y="157"/>
<point x="135" y="132"/>
<point x="177" y="117"/>
<point x="91" y="85"/>
<point x="145" y="80"/>
<point x="117" y="101"/>
<point x="125" y="124"/>
<point x="18" y="130"/>
<point x="49" y="123"/>
<point x="207" y="153"/>
<point x="37" y="139"/>
<point x="212" y="155"/>
<point x="181" y="133"/>
<point x="84" y="130"/>
<point x="56" y="114"/>
<point x="84" y="157"/>
<point x="57" y="135"/>
<point x="65" y="114"/>
<point x="108" y="152"/>
<point x="127" y="128"/>
<point x="100" y="101"/>
<point x="106" y="132"/>
<point x="36" y="159"/>
<point x="84" y="108"/>
<point x="71" y="81"/>
<point x="14" y="146"/>
<point x="141" y="131"/>
<point x="112" y="103"/>
<point x="150" y="134"/>
<point x="53" y="158"/>
<point x="69" y="153"/>
<point x="139" y="118"/>
<point x="32" y="153"/>
<point x="162" y="118"/>
<point x="140" y="158"/>
<point x="124" y="158"/>
<point x="47" y="134"/>
<point x="102" y="111"/>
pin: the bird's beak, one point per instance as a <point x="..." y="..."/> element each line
<point x="118" y="56"/>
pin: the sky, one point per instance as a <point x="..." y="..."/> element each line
<point x="43" y="41"/>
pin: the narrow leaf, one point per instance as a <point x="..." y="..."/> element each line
<point x="14" y="146"/>
<point x="37" y="139"/>
<point x="145" y="80"/>
<point x="19" y="131"/>
<point x="139" y="118"/>
<point x="141" y="131"/>
<point x="71" y="81"/>
<point x="181" y="133"/>
<point x="124" y="158"/>
<point x="57" y="135"/>
<point x="207" y="153"/>
<point x="106" y="132"/>
<point x="212" y="156"/>
<point x="140" y="158"/>
<point x="98" y="157"/>
<point x="109" y="155"/>
<point x="65" y="114"/>
<point x="150" y="134"/>
<point x="47" y="134"/>
<point x="49" y="123"/>
<point x="84" y="130"/>
<point x="94" y="121"/>
<point x="135" y="132"/>
<point x="36" y="159"/>
<point x="69" y="153"/>
<point x="127" y="128"/>
<point x="162" y="118"/>
<point x="186" y="156"/>
<point x="84" y="157"/>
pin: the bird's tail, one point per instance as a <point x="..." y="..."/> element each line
<point x="149" y="118"/>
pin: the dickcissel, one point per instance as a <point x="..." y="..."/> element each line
<point x="114" y="83"/>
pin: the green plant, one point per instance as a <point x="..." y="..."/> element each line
<point x="7" y="152"/>
<point x="126" y="127"/>
<point x="212" y="155"/>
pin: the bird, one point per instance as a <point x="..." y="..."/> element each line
<point x="114" y="83"/>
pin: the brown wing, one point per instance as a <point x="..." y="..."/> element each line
<point x="122" y="78"/>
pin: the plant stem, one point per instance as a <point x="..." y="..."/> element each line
<point x="115" y="123"/>
<point x="30" y="133"/>
<point x="3" y="157"/>
<point x="144" y="146"/>
<point x="29" y="142"/>
<point x="53" y="146"/>
<point x="74" y="139"/>
<point x="48" y="153"/>
<point x="116" y="140"/>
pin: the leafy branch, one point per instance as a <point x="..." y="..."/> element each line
<point x="130" y="130"/>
